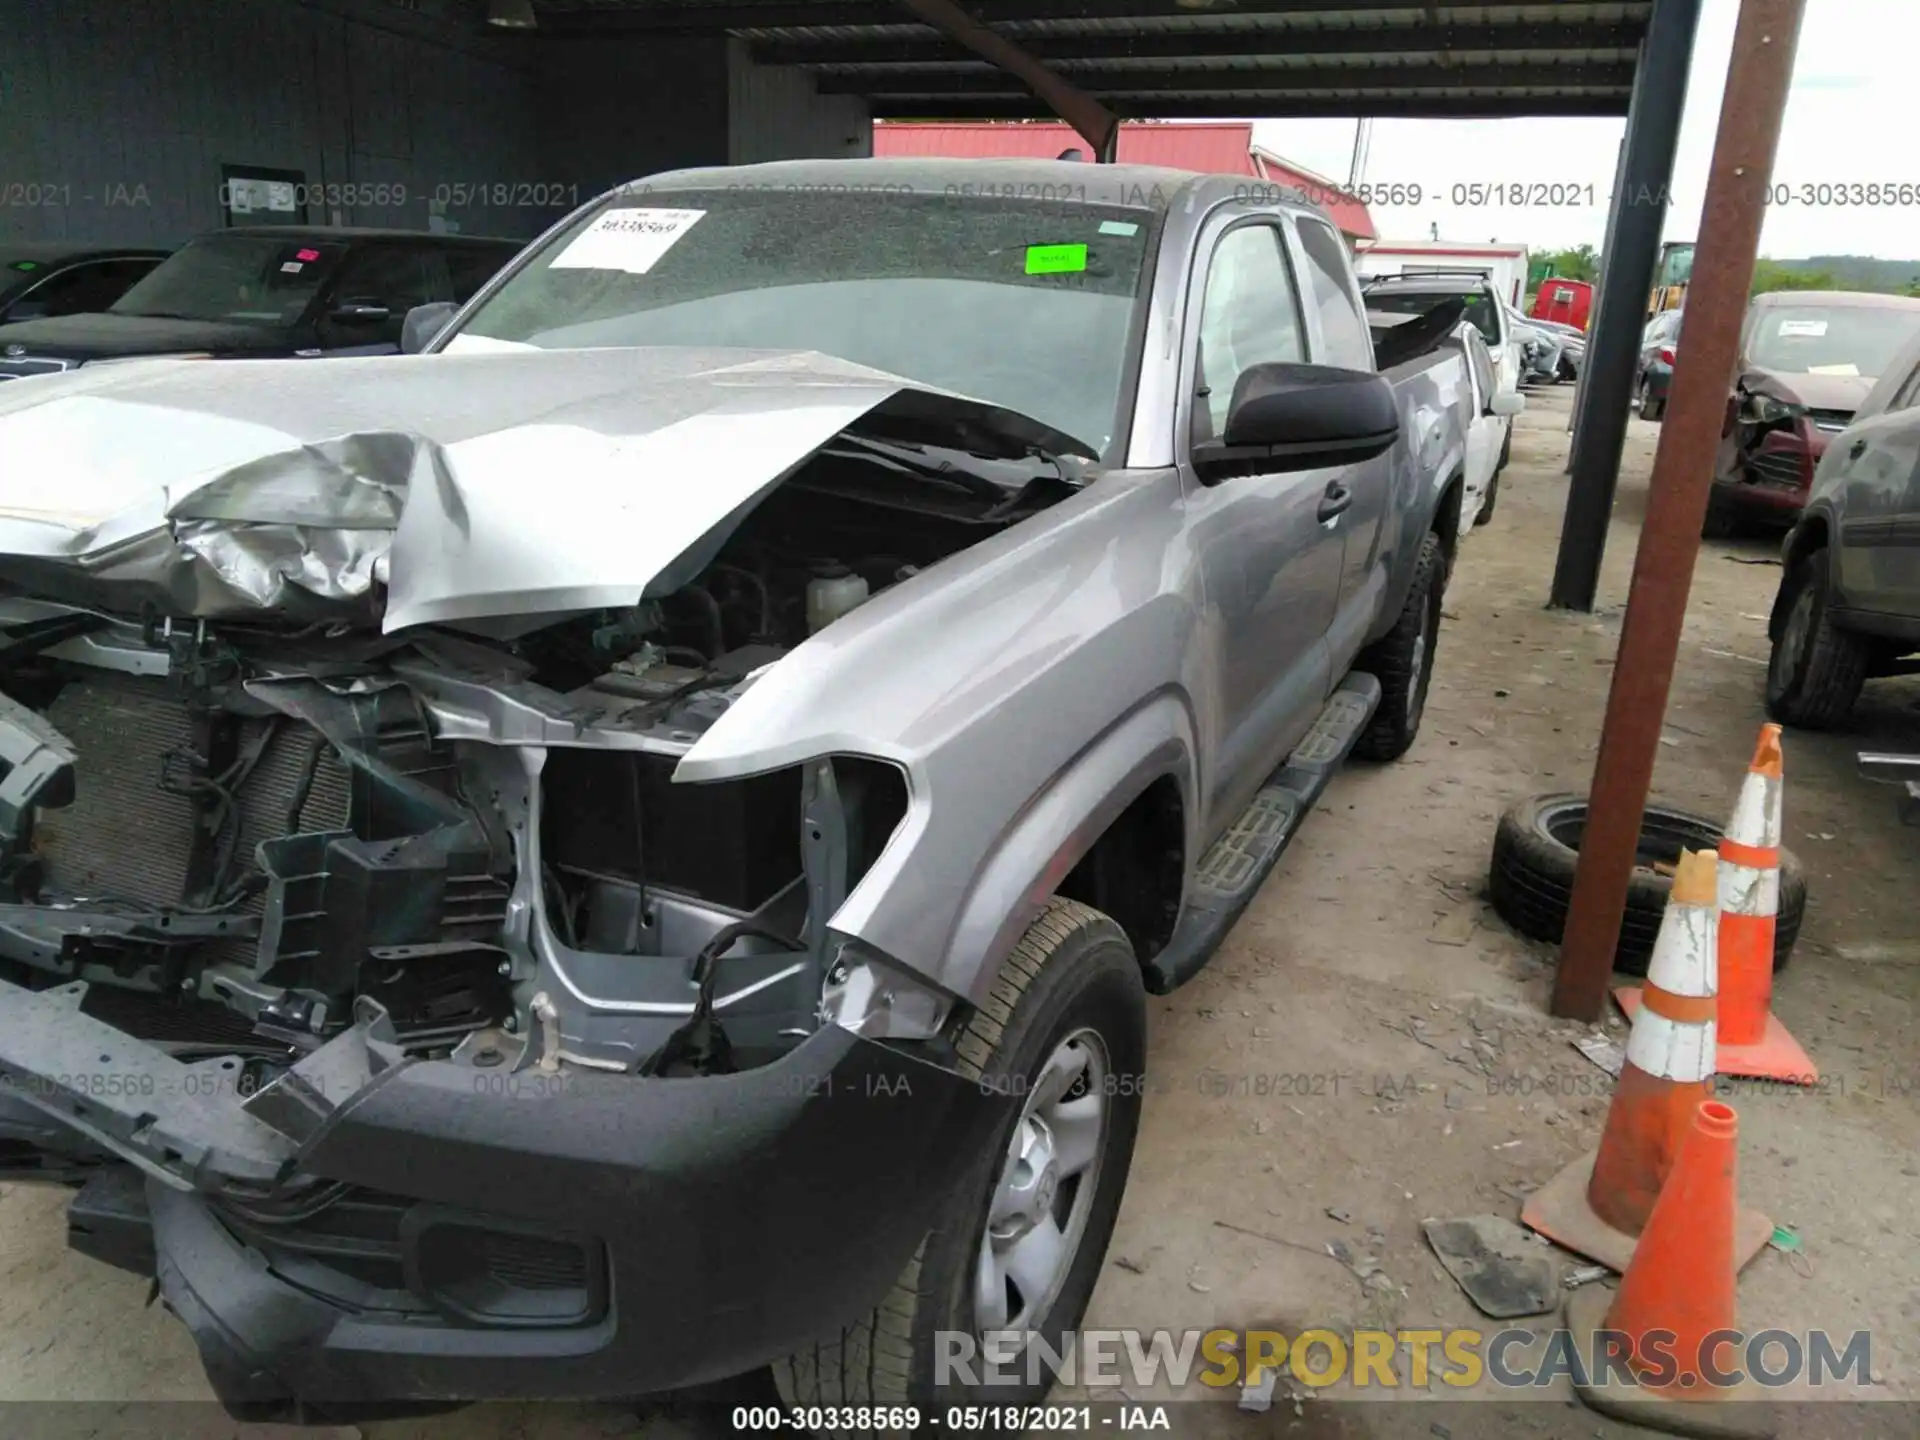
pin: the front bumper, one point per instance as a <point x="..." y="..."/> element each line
<point x="1775" y="476"/>
<point x="722" y="1222"/>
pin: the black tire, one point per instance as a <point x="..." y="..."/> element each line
<point x="1402" y="660"/>
<point x="1721" y="521"/>
<point x="1535" y="848"/>
<point x="1816" y="670"/>
<point x="1072" y="970"/>
<point x="1506" y="450"/>
<point x="1650" y="408"/>
<point x="1487" y="501"/>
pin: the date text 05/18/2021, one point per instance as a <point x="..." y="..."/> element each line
<point x="998" y="1419"/>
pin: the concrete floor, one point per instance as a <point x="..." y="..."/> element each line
<point x="1434" y="1085"/>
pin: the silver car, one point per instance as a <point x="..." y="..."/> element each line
<point x="1849" y="601"/>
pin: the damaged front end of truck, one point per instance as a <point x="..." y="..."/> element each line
<point x="368" y="960"/>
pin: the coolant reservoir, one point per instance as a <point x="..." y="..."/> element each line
<point x="833" y="591"/>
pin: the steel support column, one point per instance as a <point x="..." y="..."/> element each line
<point x="1633" y="249"/>
<point x="1758" y="75"/>
<point x="1098" y="125"/>
<point x="1579" y="407"/>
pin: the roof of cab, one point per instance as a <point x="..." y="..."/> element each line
<point x="295" y="234"/>
<point x="1074" y="182"/>
<point x="1839" y="299"/>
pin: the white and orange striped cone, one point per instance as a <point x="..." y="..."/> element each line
<point x="1599" y="1204"/>
<point x="1752" y="1041"/>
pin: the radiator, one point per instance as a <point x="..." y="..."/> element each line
<point x="126" y="838"/>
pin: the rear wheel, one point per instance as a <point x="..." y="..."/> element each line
<point x="1402" y="660"/>
<point x="1816" y="670"/>
<point x="1018" y="1244"/>
<point x="1650" y="408"/>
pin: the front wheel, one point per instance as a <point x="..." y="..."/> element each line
<point x="1402" y="660"/>
<point x="1816" y="670"/>
<point x="1018" y="1244"/>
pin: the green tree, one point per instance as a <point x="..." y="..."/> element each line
<point x="1769" y="276"/>
<point x="1582" y="262"/>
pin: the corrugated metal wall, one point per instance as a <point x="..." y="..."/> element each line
<point x="117" y="115"/>
<point x="774" y="113"/>
<point x="121" y="116"/>
<point x="615" y="108"/>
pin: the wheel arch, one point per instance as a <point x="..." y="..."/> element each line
<point x="1136" y="785"/>
<point x="1811" y="534"/>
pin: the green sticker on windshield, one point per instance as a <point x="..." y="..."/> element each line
<point x="1056" y="259"/>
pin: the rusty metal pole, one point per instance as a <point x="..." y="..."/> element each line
<point x="1758" y="74"/>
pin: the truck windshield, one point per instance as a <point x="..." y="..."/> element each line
<point x="248" y="279"/>
<point x="1832" y="340"/>
<point x="1026" y="304"/>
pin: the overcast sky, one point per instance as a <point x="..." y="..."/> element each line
<point x="1853" y="116"/>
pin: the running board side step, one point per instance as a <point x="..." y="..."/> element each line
<point x="1231" y="873"/>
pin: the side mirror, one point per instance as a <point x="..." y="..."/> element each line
<point x="1302" y="417"/>
<point x="1506" y="402"/>
<point x="423" y="322"/>
<point x="360" y="312"/>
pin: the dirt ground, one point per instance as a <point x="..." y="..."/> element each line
<point x="1372" y="1047"/>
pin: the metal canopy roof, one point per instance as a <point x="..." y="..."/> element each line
<point x="1181" y="59"/>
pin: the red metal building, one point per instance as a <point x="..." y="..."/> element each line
<point x="1212" y="149"/>
<point x="1568" y="301"/>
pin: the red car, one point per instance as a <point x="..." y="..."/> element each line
<point x="1807" y="360"/>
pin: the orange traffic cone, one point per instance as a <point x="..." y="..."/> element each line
<point x="1600" y="1204"/>
<point x="1666" y="1330"/>
<point x="1752" y="1040"/>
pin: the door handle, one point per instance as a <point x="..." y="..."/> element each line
<point x="1337" y="499"/>
<point x="1856" y="450"/>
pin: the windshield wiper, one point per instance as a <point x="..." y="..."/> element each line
<point x="914" y="460"/>
<point x="1045" y="477"/>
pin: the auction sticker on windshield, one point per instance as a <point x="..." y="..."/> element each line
<point x="1056" y="259"/>
<point x="629" y="240"/>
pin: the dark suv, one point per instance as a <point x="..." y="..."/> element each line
<point x="37" y="281"/>
<point x="272" y="290"/>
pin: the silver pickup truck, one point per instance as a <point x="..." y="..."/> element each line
<point x="633" y="845"/>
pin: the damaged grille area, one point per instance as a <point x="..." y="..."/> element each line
<point x="127" y="836"/>
<point x="231" y="864"/>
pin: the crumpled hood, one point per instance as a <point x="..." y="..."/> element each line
<point x="1816" y="392"/>
<point x="477" y="486"/>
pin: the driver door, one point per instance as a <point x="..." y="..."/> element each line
<point x="1268" y="555"/>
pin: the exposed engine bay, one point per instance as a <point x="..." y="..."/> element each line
<point x="245" y="836"/>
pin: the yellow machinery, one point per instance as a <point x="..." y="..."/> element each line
<point x="1670" y="278"/>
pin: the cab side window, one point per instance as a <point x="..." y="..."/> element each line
<point x="1482" y="364"/>
<point x="396" y="276"/>
<point x="1343" y="329"/>
<point x="1908" y="394"/>
<point x="1250" y="315"/>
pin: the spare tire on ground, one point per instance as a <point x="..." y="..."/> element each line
<point x="1537" y="845"/>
